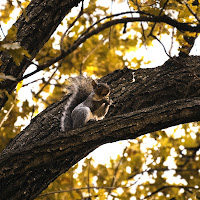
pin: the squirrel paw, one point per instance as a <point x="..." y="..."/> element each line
<point x="108" y="101"/>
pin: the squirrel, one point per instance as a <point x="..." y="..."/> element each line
<point x="89" y="100"/>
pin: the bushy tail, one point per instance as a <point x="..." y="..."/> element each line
<point x="79" y="89"/>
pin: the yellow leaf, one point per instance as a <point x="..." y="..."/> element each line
<point x="11" y="36"/>
<point x="19" y="85"/>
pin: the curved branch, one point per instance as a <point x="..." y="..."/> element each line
<point x="161" y="97"/>
<point x="87" y="34"/>
<point x="59" y="149"/>
<point x="70" y="26"/>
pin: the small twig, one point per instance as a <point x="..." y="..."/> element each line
<point x="6" y="116"/>
<point x="89" y="54"/>
<point x="88" y="181"/>
<point x="2" y="31"/>
<point x="143" y="32"/>
<point x="33" y="109"/>
<point x="74" y="189"/>
<point x="111" y="26"/>
<point x="187" y="188"/>
<point x="151" y="33"/>
<point x="163" y="170"/>
<point x="147" y="5"/>
<point x="115" y="172"/>
<point x="172" y="42"/>
<point x="70" y="26"/>
<point x="191" y="11"/>
<point x="36" y="95"/>
<point x="129" y="7"/>
<point x="32" y="82"/>
<point x="162" y="45"/>
<point x="22" y="9"/>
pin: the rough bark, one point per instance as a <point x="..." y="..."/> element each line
<point x="144" y="100"/>
<point x="42" y="19"/>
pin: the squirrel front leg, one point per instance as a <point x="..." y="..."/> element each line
<point x="103" y="109"/>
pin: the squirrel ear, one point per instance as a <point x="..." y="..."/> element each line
<point x="94" y="84"/>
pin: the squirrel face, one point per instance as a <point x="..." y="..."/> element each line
<point x="101" y="89"/>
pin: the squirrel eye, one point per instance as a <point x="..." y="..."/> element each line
<point x="98" y="86"/>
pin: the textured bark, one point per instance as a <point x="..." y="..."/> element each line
<point x="144" y="100"/>
<point x="43" y="17"/>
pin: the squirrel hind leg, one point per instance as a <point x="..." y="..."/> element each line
<point x="80" y="116"/>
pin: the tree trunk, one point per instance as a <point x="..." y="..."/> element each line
<point x="144" y="100"/>
<point x="42" y="19"/>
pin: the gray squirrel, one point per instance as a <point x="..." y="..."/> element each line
<point x="89" y="100"/>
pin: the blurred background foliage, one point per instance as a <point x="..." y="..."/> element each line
<point x="160" y="165"/>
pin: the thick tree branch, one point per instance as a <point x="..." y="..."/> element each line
<point x="69" y="149"/>
<point x="158" y="98"/>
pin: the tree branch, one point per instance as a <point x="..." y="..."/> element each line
<point x="70" y="26"/>
<point x="168" y="54"/>
<point x="157" y="99"/>
<point x="115" y="173"/>
<point x="87" y="34"/>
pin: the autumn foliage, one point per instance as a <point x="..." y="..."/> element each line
<point x="97" y="39"/>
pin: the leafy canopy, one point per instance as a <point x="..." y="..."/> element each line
<point x="147" y="167"/>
